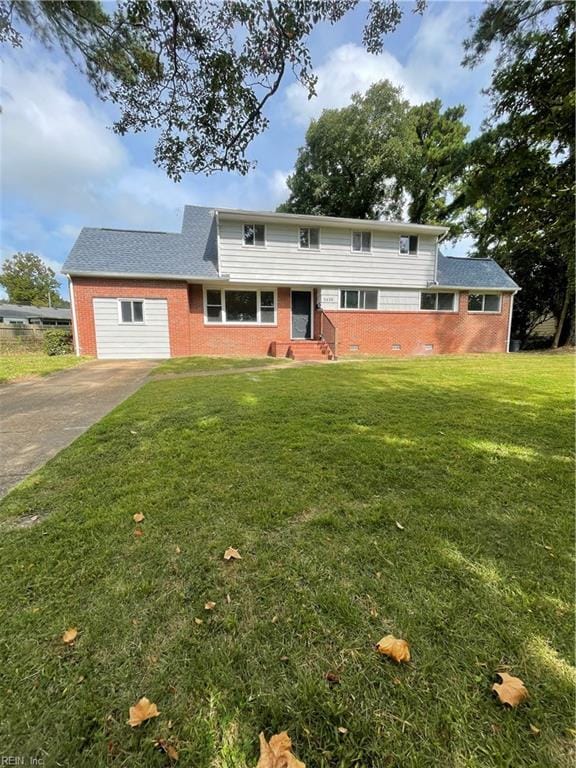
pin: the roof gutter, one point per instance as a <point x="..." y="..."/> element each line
<point x="147" y="276"/>
<point x="508" y="289"/>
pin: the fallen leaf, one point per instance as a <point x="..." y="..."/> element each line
<point x="138" y="517"/>
<point x="169" y="726"/>
<point x="284" y="658"/>
<point x="394" y="647"/>
<point x="373" y="613"/>
<point x="178" y="550"/>
<point x="143" y="710"/>
<point x="209" y="606"/>
<point x="199" y="621"/>
<point x="167" y="748"/>
<point x="70" y="635"/>
<point x="277" y="752"/>
<point x="133" y="432"/>
<point x="399" y="526"/>
<point x="274" y="619"/>
<point x="397" y="681"/>
<point x="138" y="532"/>
<point x="228" y="599"/>
<point x="232" y="554"/>
<point x="332" y="678"/>
<point x="534" y="730"/>
<point x="341" y="729"/>
<point x="511" y="690"/>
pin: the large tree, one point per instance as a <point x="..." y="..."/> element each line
<point x="521" y="172"/>
<point x="199" y="72"/>
<point x="379" y="156"/>
<point x="28" y="280"/>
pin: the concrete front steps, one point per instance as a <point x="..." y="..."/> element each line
<point x="302" y="349"/>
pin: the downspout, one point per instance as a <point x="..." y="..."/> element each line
<point x="510" y="319"/>
<point x="74" y="325"/>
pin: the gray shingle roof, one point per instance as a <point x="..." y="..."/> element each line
<point x="25" y="311"/>
<point x="472" y="273"/>
<point x="191" y="253"/>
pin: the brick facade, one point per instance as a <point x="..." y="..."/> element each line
<point x="359" y="333"/>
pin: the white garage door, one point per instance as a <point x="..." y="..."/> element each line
<point x="131" y="328"/>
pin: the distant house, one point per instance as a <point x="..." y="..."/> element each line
<point x="236" y="282"/>
<point x="25" y="314"/>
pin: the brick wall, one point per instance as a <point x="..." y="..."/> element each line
<point x="236" y="341"/>
<point x="371" y="332"/>
<point x="448" y="332"/>
<point x="176" y="294"/>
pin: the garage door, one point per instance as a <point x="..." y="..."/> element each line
<point x="131" y="328"/>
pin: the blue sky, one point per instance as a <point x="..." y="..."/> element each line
<point x="63" y="168"/>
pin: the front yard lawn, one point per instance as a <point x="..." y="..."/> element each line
<point x="307" y="473"/>
<point x="200" y="364"/>
<point x="25" y="366"/>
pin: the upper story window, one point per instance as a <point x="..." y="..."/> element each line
<point x="362" y="241"/>
<point x="240" y="306"/>
<point x="484" y="302"/>
<point x="359" y="299"/>
<point x="439" y="302"/>
<point x="132" y="311"/>
<point x="309" y="237"/>
<point x="254" y="234"/>
<point x="408" y="245"/>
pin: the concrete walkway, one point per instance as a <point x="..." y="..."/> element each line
<point x="39" y="417"/>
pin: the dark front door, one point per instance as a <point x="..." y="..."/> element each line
<point x="301" y="315"/>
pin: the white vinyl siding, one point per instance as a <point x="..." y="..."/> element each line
<point x="116" y="340"/>
<point x="283" y="262"/>
<point x="389" y="299"/>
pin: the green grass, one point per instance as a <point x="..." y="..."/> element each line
<point x="25" y="366"/>
<point x="306" y="472"/>
<point x="200" y="364"/>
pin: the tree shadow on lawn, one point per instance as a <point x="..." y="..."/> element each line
<point x="310" y="489"/>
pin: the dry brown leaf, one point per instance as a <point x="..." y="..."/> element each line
<point x="70" y="635"/>
<point x="138" y="517"/>
<point x="332" y="678"/>
<point x="399" y="526"/>
<point x="534" y="729"/>
<point x="394" y="647"/>
<point x="511" y="690"/>
<point x="341" y="729"/>
<point x="138" y="532"/>
<point x="232" y="554"/>
<point x="277" y="752"/>
<point x="209" y="606"/>
<point x="167" y="748"/>
<point x="143" y="710"/>
<point x="178" y="550"/>
<point x="199" y="621"/>
<point x="274" y="619"/>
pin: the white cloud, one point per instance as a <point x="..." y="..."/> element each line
<point x="350" y="69"/>
<point x="432" y="68"/>
<point x="51" y="142"/>
<point x="278" y="185"/>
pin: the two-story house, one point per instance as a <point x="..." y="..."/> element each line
<point x="236" y="282"/>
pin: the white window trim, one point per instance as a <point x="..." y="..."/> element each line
<point x="132" y="322"/>
<point x="455" y="303"/>
<point x="357" y="309"/>
<point x="360" y="231"/>
<point x="253" y="289"/>
<point x="253" y="224"/>
<point x="400" y="253"/>
<point x="301" y="248"/>
<point x="483" y="311"/>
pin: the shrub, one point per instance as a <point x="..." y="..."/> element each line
<point x="58" y="341"/>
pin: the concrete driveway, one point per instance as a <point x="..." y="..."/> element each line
<point x="39" y="417"/>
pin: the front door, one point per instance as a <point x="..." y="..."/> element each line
<point x="301" y="314"/>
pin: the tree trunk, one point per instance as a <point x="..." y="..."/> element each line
<point x="561" y="319"/>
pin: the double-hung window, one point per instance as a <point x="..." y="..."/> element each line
<point x="358" y="299"/>
<point x="484" y="302"/>
<point x="408" y="245"/>
<point x="240" y="306"/>
<point x="362" y="241"/>
<point x="131" y="311"/>
<point x="255" y="235"/>
<point x="437" y="301"/>
<point x="309" y="237"/>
